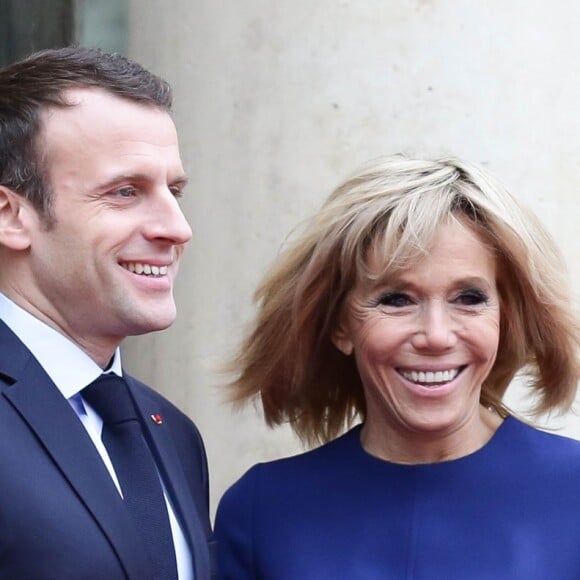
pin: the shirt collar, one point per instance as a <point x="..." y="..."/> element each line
<point x="70" y="368"/>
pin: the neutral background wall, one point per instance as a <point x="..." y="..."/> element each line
<point x="277" y="101"/>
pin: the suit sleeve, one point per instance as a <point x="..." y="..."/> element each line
<point x="234" y="531"/>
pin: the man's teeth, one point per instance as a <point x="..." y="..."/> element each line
<point x="428" y="377"/>
<point x="145" y="269"/>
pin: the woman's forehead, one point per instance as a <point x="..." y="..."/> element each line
<point x="390" y="252"/>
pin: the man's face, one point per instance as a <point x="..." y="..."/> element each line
<point x="105" y="270"/>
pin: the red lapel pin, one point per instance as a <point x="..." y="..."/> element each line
<point x="157" y="419"/>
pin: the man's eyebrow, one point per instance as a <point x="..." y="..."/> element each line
<point x="180" y="180"/>
<point x="120" y="178"/>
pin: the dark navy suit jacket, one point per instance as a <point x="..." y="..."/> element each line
<point x="61" y="517"/>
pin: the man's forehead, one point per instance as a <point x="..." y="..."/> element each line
<point x="113" y="132"/>
<point x="96" y="100"/>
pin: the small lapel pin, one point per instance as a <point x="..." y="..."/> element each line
<point x="157" y="419"/>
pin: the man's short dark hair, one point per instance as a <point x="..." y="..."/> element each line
<point x="32" y="85"/>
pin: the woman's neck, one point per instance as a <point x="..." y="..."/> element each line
<point x="408" y="446"/>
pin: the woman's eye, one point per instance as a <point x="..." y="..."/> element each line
<point x="472" y="297"/>
<point x="395" y="299"/>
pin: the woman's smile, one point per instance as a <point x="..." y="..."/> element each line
<point x="424" y="339"/>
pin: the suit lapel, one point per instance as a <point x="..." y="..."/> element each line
<point x="174" y="480"/>
<point x="51" y="418"/>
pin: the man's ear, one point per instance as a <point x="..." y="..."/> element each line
<point x="14" y="220"/>
<point x="341" y="339"/>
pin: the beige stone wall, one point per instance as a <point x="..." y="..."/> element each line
<point x="277" y="100"/>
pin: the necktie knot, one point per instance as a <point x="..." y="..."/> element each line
<point x="110" y="398"/>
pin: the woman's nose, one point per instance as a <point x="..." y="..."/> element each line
<point x="436" y="329"/>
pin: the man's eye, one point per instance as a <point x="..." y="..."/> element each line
<point x="176" y="191"/>
<point x="395" y="299"/>
<point x="472" y="297"/>
<point x="126" y="191"/>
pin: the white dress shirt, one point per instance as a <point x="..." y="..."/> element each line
<point x="51" y="348"/>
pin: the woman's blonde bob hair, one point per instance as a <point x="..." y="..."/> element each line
<point x="399" y="204"/>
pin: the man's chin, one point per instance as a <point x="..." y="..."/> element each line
<point x="152" y="324"/>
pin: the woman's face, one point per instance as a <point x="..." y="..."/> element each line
<point x="425" y="339"/>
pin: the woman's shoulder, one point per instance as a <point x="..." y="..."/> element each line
<point x="541" y="445"/>
<point x="324" y="462"/>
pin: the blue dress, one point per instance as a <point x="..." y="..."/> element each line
<point x="508" y="511"/>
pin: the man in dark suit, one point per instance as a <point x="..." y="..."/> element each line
<point x="91" y="234"/>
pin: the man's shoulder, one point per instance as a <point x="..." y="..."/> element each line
<point x="146" y="394"/>
<point x="14" y="355"/>
<point x="154" y="403"/>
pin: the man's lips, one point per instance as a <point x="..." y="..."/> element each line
<point x="145" y="269"/>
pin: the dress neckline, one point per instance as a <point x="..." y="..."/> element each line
<point x="501" y="433"/>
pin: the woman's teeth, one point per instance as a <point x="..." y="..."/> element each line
<point x="430" y="377"/>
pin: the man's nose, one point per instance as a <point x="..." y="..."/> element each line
<point x="166" y="220"/>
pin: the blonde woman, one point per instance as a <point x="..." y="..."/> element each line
<point x="409" y="302"/>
